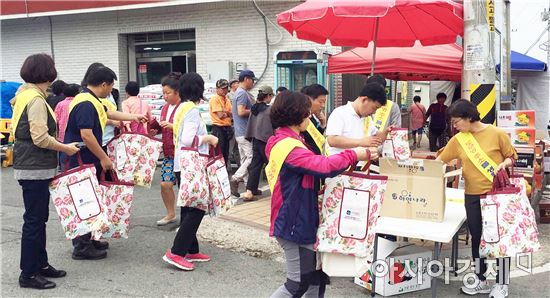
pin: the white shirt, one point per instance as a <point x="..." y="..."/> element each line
<point x="345" y="122"/>
<point x="192" y="126"/>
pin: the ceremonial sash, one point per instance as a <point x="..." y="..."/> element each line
<point x="98" y="105"/>
<point x="108" y="104"/>
<point x="21" y="102"/>
<point x="178" y="120"/>
<point x="317" y="137"/>
<point x="277" y="157"/>
<point x="476" y="155"/>
<point x="380" y="118"/>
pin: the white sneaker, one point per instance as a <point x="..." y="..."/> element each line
<point x="481" y="288"/>
<point x="499" y="291"/>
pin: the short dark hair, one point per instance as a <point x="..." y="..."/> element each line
<point x="441" y="94"/>
<point x="377" y="79"/>
<point x="58" y="86"/>
<point x="374" y="91"/>
<point x="463" y="108"/>
<point x="281" y="89"/>
<point x="101" y="75"/>
<point x="290" y="108"/>
<point x="416" y="98"/>
<point x="192" y="87"/>
<point x="38" y="68"/>
<point x="116" y="95"/>
<point x="304" y="89"/>
<point x="93" y="67"/>
<point x="132" y="88"/>
<point x="71" y="90"/>
<point x="172" y="80"/>
<point x="315" y="90"/>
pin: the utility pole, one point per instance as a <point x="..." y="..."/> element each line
<point x="546" y="46"/>
<point x="478" y="74"/>
<point x="505" y="64"/>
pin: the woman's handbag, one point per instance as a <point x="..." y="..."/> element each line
<point x="77" y="197"/>
<point x="117" y="201"/>
<point x="194" y="189"/>
<point x="134" y="157"/>
<point x="508" y="220"/>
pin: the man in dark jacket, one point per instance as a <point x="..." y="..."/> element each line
<point x="438" y="122"/>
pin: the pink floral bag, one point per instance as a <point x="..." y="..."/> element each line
<point x="351" y="204"/>
<point x="194" y="189"/>
<point x="117" y="200"/>
<point x="134" y="157"/>
<point x="218" y="183"/>
<point x="397" y="144"/>
<point x="508" y="220"/>
<point x="77" y="197"/>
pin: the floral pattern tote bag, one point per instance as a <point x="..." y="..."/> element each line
<point x="218" y="183"/>
<point x="508" y="220"/>
<point x="194" y="189"/>
<point x="397" y="144"/>
<point x="117" y="199"/>
<point x="134" y="157"/>
<point x="351" y="204"/>
<point x="77" y="197"/>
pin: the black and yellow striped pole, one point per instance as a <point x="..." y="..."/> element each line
<point x="484" y="97"/>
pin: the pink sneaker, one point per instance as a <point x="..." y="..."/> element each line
<point x="177" y="261"/>
<point x="198" y="257"/>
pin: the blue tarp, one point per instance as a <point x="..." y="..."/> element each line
<point x="522" y="62"/>
<point x="7" y="92"/>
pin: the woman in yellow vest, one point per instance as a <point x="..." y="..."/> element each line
<point x="291" y="173"/>
<point x="483" y="150"/>
<point x="35" y="164"/>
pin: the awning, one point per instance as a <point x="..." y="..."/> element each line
<point x="522" y="62"/>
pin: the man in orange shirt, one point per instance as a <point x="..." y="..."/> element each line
<point x="220" y="112"/>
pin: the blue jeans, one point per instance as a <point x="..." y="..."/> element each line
<point x="36" y="197"/>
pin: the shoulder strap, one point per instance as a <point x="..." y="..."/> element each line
<point x="277" y="157"/>
<point x="98" y="105"/>
<point x="178" y="119"/>
<point x="476" y="155"/>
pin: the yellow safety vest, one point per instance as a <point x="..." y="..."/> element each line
<point x="476" y="155"/>
<point x="277" y="157"/>
<point x="318" y="137"/>
<point x="108" y="104"/>
<point x="98" y="105"/>
<point x="178" y="120"/>
<point x="380" y="118"/>
<point x="21" y="101"/>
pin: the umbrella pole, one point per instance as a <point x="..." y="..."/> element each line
<point x="374" y="47"/>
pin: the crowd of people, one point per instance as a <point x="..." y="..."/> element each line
<point x="287" y="131"/>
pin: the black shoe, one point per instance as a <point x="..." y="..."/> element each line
<point x="89" y="253"/>
<point x="36" y="282"/>
<point x="52" y="272"/>
<point x="101" y="245"/>
<point x="257" y="192"/>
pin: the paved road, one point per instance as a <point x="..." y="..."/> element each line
<point x="134" y="266"/>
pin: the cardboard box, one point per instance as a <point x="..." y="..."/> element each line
<point x="522" y="118"/>
<point x="521" y="136"/>
<point x="404" y="261"/>
<point x="416" y="189"/>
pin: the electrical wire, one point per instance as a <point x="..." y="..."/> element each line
<point x="266" y="41"/>
<point x="538" y="39"/>
<point x="272" y="24"/>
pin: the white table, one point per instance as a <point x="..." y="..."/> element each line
<point x="439" y="232"/>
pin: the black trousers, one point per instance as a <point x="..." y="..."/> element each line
<point x="186" y="238"/>
<point x="36" y="198"/>
<point x="259" y="159"/>
<point x="436" y="137"/>
<point x="224" y="135"/>
<point x="473" y="216"/>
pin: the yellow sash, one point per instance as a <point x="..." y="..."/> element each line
<point x="108" y="104"/>
<point x="21" y="102"/>
<point x="277" y="157"/>
<point x="317" y="137"/>
<point x="98" y="105"/>
<point x="178" y="119"/>
<point x="380" y="118"/>
<point x="476" y="155"/>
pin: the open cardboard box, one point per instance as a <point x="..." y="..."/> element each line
<point x="416" y="189"/>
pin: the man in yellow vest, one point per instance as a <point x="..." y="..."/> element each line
<point x="87" y="119"/>
<point x="390" y="114"/>
<point x="346" y="125"/>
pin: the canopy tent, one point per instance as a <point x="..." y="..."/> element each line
<point x="522" y="62"/>
<point x="418" y="63"/>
